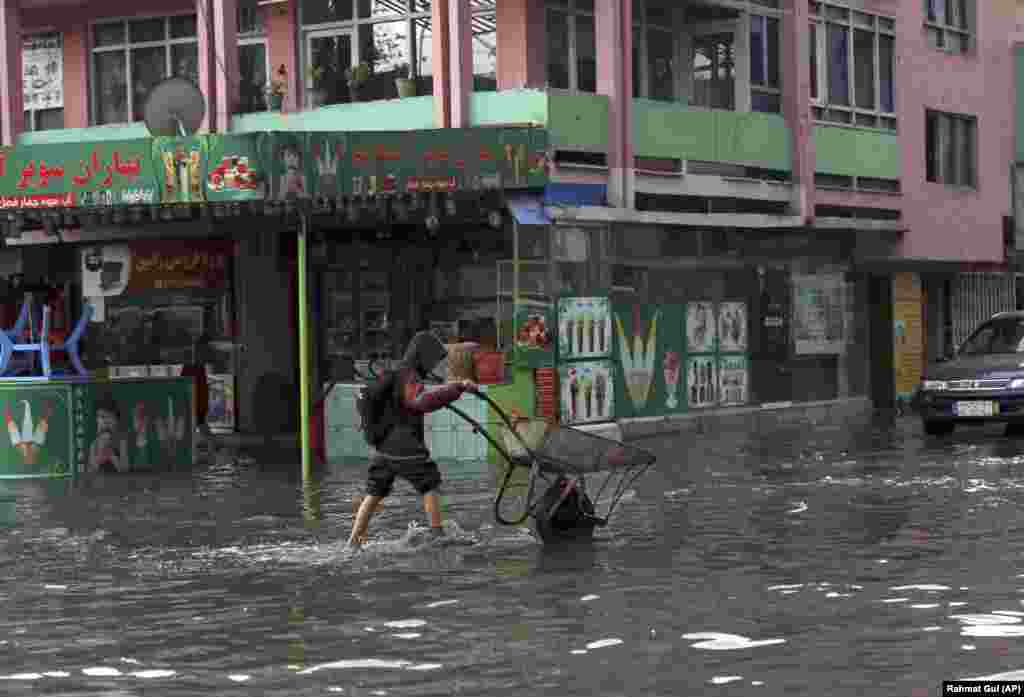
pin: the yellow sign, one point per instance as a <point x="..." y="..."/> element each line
<point x="908" y="332"/>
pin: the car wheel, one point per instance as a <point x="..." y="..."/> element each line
<point x="938" y="428"/>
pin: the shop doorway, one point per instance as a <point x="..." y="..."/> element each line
<point x="880" y="332"/>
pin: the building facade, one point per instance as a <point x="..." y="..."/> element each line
<point x="838" y="170"/>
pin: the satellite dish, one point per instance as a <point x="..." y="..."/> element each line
<point x="174" y="107"/>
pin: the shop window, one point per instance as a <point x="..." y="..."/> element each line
<point x="43" y="81"/>
<point x="572" y="47"/>
<point x="253" y="61"/>
<point x="392" y="38"/>
<point x="852" y="58"/>
<point x="951" y="149"/>
<point x="949" y="24"/>
<point x="129" y="58"/>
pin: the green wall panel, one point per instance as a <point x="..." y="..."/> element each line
<point x="662" y="129"/>
<point x="855" y="152"/>
<point x="412" y="113"/>
<point x="578" y="121"/>
<point x="508" y="106"/>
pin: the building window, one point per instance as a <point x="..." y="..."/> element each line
<point x="572" y="46"/>
<point x="951" y="149"/>
<point x="949" y="24"/>
<point x="485" y="46"/>
<point x="655" y="50"/>
<point x="253" y="61"/>
<point x="130" y="57"/>
<point x="765" y="87"/>
<point x="43" y="81"/>
<point x="391" y="37"/>
<point x="852" y="66"/>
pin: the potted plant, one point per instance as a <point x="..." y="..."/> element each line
<point x="315" y="95"/>
<point x="357" y="75"/>
<point x="277" y="89"/>
<point x="405" y="83"/>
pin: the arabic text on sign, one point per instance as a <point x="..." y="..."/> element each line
<point x="38" y="201"/>
<point x="199" y="262"/>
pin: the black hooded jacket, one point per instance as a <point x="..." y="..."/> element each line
<point x="407" y="440"/>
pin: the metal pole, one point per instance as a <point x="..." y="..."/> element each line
<point x="304" y="376"/>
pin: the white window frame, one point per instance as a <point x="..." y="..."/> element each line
<point x="354" y="27"/>
<point x="125" y="49"/>
<point x="31" y="114"/>
<point x="880" y="25"/>
<point x="568" y="7"/>
<point x="946" y="121"/>
<point x="256" y="38"/>
<point x="945" y="28"/>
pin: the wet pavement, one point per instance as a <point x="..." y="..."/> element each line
<point x="839" y="562"/>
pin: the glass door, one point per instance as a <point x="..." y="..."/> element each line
<point x="329" y="54"/>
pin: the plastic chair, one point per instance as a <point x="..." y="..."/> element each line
<point x="70" y="344"/>
<point x="19" y="325"/>
<point x="8" y="348"/>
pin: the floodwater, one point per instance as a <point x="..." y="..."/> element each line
<point x="871" y="562"/>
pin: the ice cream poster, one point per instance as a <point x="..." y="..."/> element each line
<point x="638" y="343"/>
<point x="588" y="391"/>
<point x="732" y="327"/>
<point x="733" y="381"/>
<point x="701" y="382"/>
<point x="701" y="328"/>
<point x="584" y="328"/>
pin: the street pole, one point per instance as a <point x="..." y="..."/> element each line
<point x="304" y="376"/>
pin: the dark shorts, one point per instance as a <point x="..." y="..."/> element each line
<point x="424" y="476"/>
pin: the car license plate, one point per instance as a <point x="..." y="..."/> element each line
<point x="977" y="408"/>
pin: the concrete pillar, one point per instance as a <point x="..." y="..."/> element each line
<point x="12" y="118"/>
<point x="615" y="80"/>
<point x="522" y="44"/>
<point x="76" y="71"/>
<point x="207" y="72"/>
<point x="225" y="63"/>
<point x="796" y="100"/>
<point x="460" y="37"/>
<point x="440" y="47"/>
<point x="282" y="32"/>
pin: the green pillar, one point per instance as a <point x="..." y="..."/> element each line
<point x="304" y="376"/>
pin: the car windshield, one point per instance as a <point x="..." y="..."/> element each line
<point x="1005" y="335"/>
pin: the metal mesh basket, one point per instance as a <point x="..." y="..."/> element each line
<point x="569" y="450"/>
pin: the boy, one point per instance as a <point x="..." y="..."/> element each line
<point x="404" y="452"/>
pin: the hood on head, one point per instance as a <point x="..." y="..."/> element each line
<point x="425" y="353"/>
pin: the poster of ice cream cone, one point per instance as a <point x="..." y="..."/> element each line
<point x="588" y="392"/>
<point x="637" y="341"/>
<point x="701" y="328"/>
<point x="39" y="433"/>
<point x="701" y="382"/>
<point x="584" y="328"/>
<point x="732" y="327"/>
<point x="733" y="382"/>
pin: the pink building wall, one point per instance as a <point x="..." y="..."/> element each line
<point x="947" y="223"/>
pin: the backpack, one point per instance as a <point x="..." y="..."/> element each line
<point x="375" y="404"/>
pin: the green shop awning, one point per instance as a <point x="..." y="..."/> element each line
<point x="273" y="165"/>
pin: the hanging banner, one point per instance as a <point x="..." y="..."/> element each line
<point x="908" y="332"/>
<point x="42" y="70"/>
<point x="818" y="313"/>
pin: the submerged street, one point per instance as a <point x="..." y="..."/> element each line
<point x="829" y="562"/>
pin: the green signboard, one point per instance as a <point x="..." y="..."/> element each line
<point x="37" y="418"/>
<point x="236" y="167"/>
<point x="133" y="425"/>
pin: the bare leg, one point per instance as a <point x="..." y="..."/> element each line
<point x="432" y="506"/>
<point x="362" y="522"/>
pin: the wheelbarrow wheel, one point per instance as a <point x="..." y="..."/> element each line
<point x="572" y="520"/>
